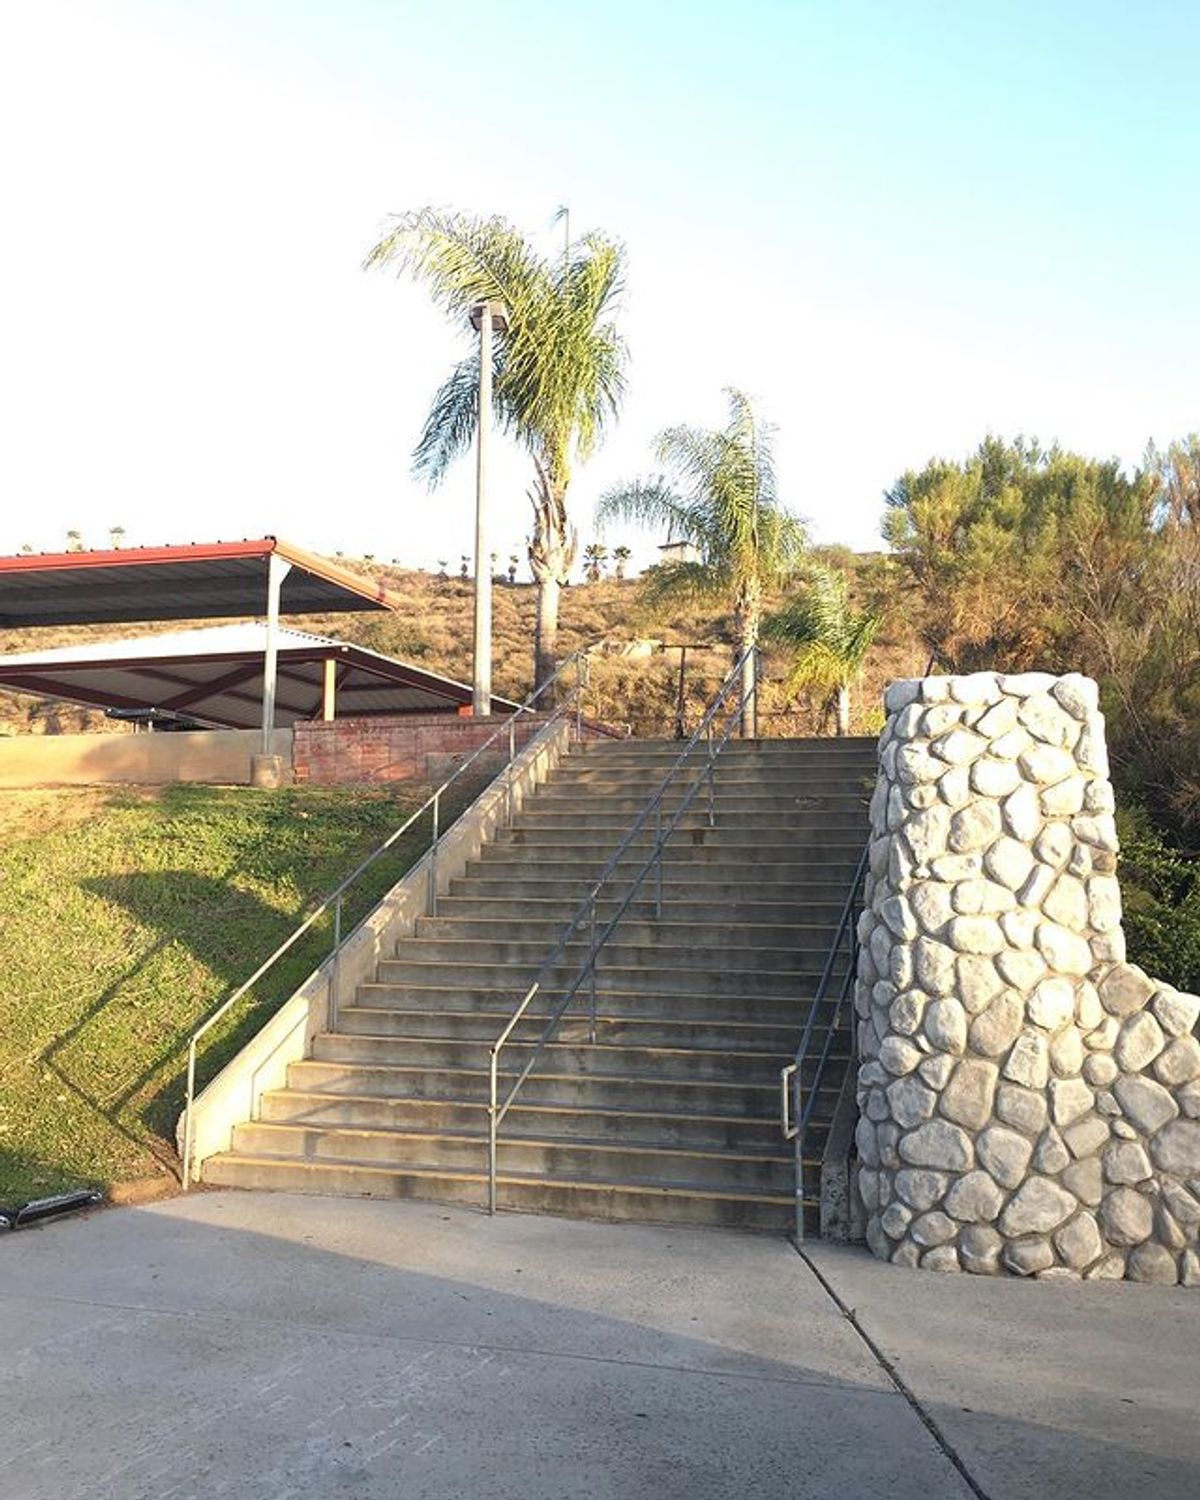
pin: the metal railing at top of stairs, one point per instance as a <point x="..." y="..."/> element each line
<point x="797" y="1101"/>
<point x="585" y="914"/>
<point x="572" y="703"/>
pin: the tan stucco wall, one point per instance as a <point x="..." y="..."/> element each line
<point x="220" y="756"/>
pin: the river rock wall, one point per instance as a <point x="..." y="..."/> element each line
<point x="1029" y="1102"/>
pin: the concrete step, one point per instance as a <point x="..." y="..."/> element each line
<point x="712" y="976"/>
<point x="655" y="945"/>
<point x="726" y="791"/>
<point x="748" y="1099"/>
<point x="542" y="933"/>
<point x="537" y="1121"/>
<point x="667" y="1203"/>
<point x="739" y="844"/>
<point x="597" y="1160"/>
<point x="787" y="1012"/>
<point x="655" y="1064"/>
<point x="646" y="1030"/>
<point x="771" y="814"/>
<point x="504" y="904"/>
<point x="700" y="878"/>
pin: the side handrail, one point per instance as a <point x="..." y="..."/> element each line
<point x="796" y="1102"/>
<point x="572" y="702"/>
<point x="586" y="911"/>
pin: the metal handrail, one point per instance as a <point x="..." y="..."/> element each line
<point x="796" y="1104"/>
<point x="573" y="701"/>
<point x="586" y="911"/>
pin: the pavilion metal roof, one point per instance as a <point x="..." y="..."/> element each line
<point x="199" y="581"/>
<point x="215" y="675"/>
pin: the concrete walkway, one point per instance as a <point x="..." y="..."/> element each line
<point x="228" y="1345"/>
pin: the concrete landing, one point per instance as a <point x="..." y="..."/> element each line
<point x="232" y="1344"/>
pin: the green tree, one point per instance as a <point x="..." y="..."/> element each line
<point x="621" y="556"/>
<point x="559" y="367"/>
<point x="827" y="638"/>
<point x="719" y="493"/>
<point x="595" y="555"/>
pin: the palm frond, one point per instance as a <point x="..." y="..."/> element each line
<point x="450" y="424"/>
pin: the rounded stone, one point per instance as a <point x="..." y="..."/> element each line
<point x="931" y="905"/>
<point x="982" y="897"/>
<point x="1046" y="765"/>
<point x="1055" y="844"/>
<point x="1038" y="1206"/>
<point x="1086" y="1136"/>
<point x="1085" y="1180"/>
<point x="1051" y="1155"/>
<point x="920" y="1188"/>
<point x="1066" y="1052"/>
<point x="1125" y="989"/>
<point x="1079" y="1242"/>
<point x="865" y="1143"/>
<point x="978" y="982"/>
<point x="1029" y="1061"/>
<point x="1145" y="1102"/>
<point x="901" y="693"/>
<point x="1177" y="1014"/>
<point x="942" y="1258"/>
<point x="974" y="827"/>
<point x="895" y="1220"/>
<point x="1070" y="1100"/>
<point x="979" y="935"/>
<point x="1027" y="1109"/>
<point x="1126" y="1216"/>
<point x="1176" y="1148"/>
<point x="1104" y="902"/>
<point x="1027" y="1256"/>
<point x="1052" y="1004"/>
<point x="945" y="1024"/>
<point x="1008" y="863"/>
<point x="993" y="1032"/>
<point x="1046" y="721"/>
<point x="979" y="1247"/>
<point x="1064" y="799"/>
<point x="1022" y="969"/>
<point x="1126" y="1162"/>
<point x="898" y="1055"/>
<point x="976" y="688"/>
<point x="959" y="747"/>
<point x="910" y="1101"/>
<point x="1098" y="830"/>
<point x="906" y="1010"/>
<point x="967" y="1098"/>
<point x="1022" y="813"/>
<point x="1140" y="1042"/>
<point x="992" y="777"/>
<point x="1077" y="694"/>
<point x="1180" y="1062"/>
<point x="974" y="1198"/>
<point x="1063" y="950"/>
<point x="1067" y="902"/>
<point x="1100" y="1070"/>
<point x="1005" y="1154"/>
<point x="933" y="1228"/>
<point x="940" y="1145"/>
<point x="1150" y="1262"/>
<point x="936" y="1070"/>
<point x="998" y="719"/>
<point x="934" y="966"/>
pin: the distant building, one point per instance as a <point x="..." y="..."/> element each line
<point x="679" y="552"/>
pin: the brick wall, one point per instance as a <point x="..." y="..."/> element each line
<point x="395" y="748"/>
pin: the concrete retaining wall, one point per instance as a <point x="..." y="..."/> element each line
<point x="1030" y="1102"/>
<point x="217" y="756"/>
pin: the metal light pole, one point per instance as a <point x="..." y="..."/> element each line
<point x="488" y="318"/>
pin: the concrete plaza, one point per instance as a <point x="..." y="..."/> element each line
<point x="236" y="1344"/>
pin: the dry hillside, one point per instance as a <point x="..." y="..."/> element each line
<point x="635" y="681"/>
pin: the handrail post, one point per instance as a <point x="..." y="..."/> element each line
<point x="187" y="1118"/>
<point x="712" y="811"/>
<point x="492" y="1106"/>
<point x="592" y="952"/>
<point x="797" y="1116"/>
<point x="580" y="680"/>
<point x="512" y="755"/>
<point x="431" y="902"/>
<point x="658" y="868"/>
<point x="336" y="963"/>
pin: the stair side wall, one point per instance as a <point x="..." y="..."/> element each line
<point x="1029" y="1101"/>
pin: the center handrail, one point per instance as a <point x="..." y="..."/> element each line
<point x="573" y="701"/>
<point x="586" y="911"/>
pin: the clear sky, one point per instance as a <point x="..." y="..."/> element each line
<point x="899" y="225"/>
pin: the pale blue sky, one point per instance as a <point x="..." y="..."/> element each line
<point x="899" y="226"/>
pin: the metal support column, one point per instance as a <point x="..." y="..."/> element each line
<point x="277" y="571"/>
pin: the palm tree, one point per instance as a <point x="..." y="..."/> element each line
<point x="559" y="366"/>
<point x="828" y="639"/>
<point x="74" y="541"/>
<point x="720" y="496"/>
<point x="621" y="556"/>
<point x="116" y="534"/>
<point x="595" y="555"/>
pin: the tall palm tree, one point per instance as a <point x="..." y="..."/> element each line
<point x="559" y="367"/>
<point x="828" y="639"/>
<point x="720" y="495"/>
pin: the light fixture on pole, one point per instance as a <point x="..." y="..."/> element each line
<point x="488" y="317"/>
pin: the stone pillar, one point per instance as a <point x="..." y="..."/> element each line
<point x="1029" y="1102"/>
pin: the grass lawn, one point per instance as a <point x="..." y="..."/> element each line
<point x="127" y="916"/>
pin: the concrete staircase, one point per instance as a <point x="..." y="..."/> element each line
<point x="673" y="1114"/>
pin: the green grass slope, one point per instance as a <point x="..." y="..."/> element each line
<point x="126" y="917"/>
